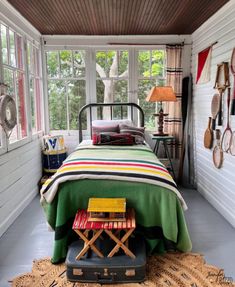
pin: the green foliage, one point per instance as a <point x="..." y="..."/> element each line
<point x="57" y="105"/>
<point x="52" y="64"/>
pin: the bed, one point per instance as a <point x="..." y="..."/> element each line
<point x="132" y="172"/>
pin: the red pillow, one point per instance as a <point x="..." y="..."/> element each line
<point x="112" y="139"/>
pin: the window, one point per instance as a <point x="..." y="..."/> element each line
<point x="151" y="72"/>
<point x="66" y="88"/>
<point x="67" y="82"/>
<point x="112" y="78"/>
<point x="14" y="78"/>
<point x="35" y="84"/>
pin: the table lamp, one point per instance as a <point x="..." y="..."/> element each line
<point x="161" y="94"/>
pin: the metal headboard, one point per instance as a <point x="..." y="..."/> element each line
<point x="89" y="107"/>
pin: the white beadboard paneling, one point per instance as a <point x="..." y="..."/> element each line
<point x="217" y="185"/>
<point x="20" y="170"/>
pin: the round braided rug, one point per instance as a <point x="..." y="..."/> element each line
<point x="169" y="270"/>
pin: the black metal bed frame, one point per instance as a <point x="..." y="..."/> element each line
<point x="111" y="105"/>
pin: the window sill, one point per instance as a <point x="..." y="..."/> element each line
<point x="20" y="143"/>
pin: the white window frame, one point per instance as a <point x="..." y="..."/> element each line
<point x="127" y="78"/>
<point x="17" y="143"/>
<point x="6" y="146"/>
<point x="138" y="77"/>
<point x="40" y="78"/>
<point x="90" y="62"/>
<point x="46" y="78"/>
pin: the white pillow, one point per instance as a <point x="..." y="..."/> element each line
<point x="103" y="123"/>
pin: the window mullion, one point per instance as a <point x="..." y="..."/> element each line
<point x="150" y="63"/>
<point x="59" y="61"/>
<point x="8" y="46"/>
<point x="67" y="105"/>
<point x="16" y="51"/>
<point x="45" y="88"/>
<point x="17" y="104"/>
<point x="27" y="88"/>
<point x="1" y="63"/>
<point x="3" y="138"/>
<point x="72" y="63"/>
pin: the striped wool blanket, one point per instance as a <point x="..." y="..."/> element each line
<point x="126" y="163"/>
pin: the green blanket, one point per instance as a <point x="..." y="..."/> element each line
<point x="159" y="214"/>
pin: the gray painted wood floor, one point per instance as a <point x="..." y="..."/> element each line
<point x="28" y="238"/>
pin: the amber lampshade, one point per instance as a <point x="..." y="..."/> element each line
<point x="161" y="94"/>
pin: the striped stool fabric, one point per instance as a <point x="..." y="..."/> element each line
<point x="81" y="223"/>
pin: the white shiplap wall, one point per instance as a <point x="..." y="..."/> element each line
<point x="21" y="168"/>
<point x="20" y="172"/>
<point x="217" y="185"/>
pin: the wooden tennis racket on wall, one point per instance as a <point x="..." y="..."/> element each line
<point x="217" y="151"/>
<point x="232" y="66"/>
<point x="221" y="83"/>
<point x="215" y="107"/>
<point x="232" y="144"/>
<point x="208" y="136"/>
<point x="227" y="134"/>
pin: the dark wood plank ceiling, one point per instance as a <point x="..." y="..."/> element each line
<point x="117" y="17"/>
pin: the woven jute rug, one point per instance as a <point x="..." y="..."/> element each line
<point x="169" y="270"/>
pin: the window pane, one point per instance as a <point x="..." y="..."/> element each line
<point x="20" y="130"/>
<point x="57" y="105"/>
<point x="158" y="63"/>
<point x="12" y="48"/>
<point x="100" y="91"/>
<point x="37" y="62"/>
<point x="144" y="63"/>
<point x="38" y="104"/>
<point x="77" y="99"/>
<point x="29" y="56"/>
<point x="4" y="44"/>
<point x="101" y="64"/>
<point x="21" y="105"/>
<point x="66" y="64"/>
<point x="121" y="91"/>
<point x="151" y="73"/>
<point x="53" y="64"/>
<point x="32" y="102"/>
<point x="111" y="64"/>
<point x="144" y="86"/>
<point x="19" y="52"/>
<point x="120" y="95"/>
<point x="79" y="63"/>
<point x="117" y="91"/>
<point x="14" y="135"/>
<point x="9" y="80"/>
<point x="123" y="63"/>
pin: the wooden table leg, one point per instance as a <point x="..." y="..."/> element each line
<point x="120" y="243"/>
<point x="89" y="243"/>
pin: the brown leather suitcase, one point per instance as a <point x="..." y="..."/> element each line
<point x="118" y="269"/>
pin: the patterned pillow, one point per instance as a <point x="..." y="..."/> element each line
<point x="104" y="129"/>
<point x="112" y="139"/>
<point x="137" y="133"/>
